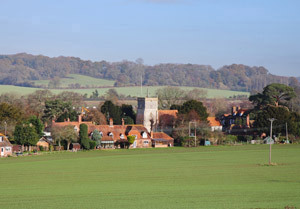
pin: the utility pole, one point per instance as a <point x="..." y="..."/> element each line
<point x="194" y="134"/>
<point x="286" y="132"/>
<point x="5" y="127"/>
<point x="270" y="152"/>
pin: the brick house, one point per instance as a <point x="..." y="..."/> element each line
<point x="161" y="139"/>
<point x="214" y="124"/>
<point x="43" y="143"/>
<point x="5" y="146"/>
<point x="237" y="120"/>
<point x="115" y="136"/>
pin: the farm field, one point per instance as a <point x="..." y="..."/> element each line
<point x="203" y="177"/>
<point x="132" y="91"/>
<point x="80" y="79"/>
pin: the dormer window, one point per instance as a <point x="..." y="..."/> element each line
<point x="144" y="135"/>
<point x="121" y="136"/>
<point x="101" y="134"/>
<point x="111" y="134"/>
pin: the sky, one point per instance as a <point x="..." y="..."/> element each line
<point x="211" y="32"/>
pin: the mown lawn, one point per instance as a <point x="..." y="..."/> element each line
<point x="204" y="177"/>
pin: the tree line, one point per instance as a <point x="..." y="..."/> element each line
<point x="22" y="69"/>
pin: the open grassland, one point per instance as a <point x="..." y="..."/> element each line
<point x="132" y="91"/>
<point x="78" y="79"/>
<point x="204" y="177"/>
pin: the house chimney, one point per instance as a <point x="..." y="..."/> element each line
<point x="233" y="111"/>
<point x="80" y="118"/>
<point x="248" y="120"/>
<point x="111" y="122"/>
<point x="123" y="123"/>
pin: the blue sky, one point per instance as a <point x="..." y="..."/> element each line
<point x="215" y="32"/>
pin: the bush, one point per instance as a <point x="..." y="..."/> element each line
<point x="41" y="148"/>
<point x="85" y="143"/>
<point x="231" y="139"/>
<point x="92" y="144"/>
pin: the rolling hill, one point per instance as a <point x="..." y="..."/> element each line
<point x="25" y="70"/>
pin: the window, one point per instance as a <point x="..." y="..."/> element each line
<point x="146" y="142"/>
<point x="7" y="149"/>
<point x="101" y="134"/>
<point x="144" y="135"/>
<point x="111" y="134"/>
<point x="122" y="136"/>
<point x="1" y="138"/>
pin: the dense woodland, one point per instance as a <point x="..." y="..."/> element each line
<point x="21" y="69"/>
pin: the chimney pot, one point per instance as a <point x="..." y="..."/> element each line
<point x="111" y="122"/>
<point x="233" y="110"/>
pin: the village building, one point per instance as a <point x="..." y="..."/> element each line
<point x="147" y="112"/>
<point x="75" y="146"/>
<point x="166" y="120"/>
<point x="161" y="139"/>
<point x="43" y="144"/>
<point x="115" y="136"/>
<point x="214" y="124"/>
<point x="5" y="146"/>
<point x="236" y="122"/>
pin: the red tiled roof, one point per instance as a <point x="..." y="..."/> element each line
<point x="168" y="112"/>
<point x="161" y="135"/>
<point x="5" y="142"/>
<point x="74" y="123"/>
<point x="115" y="130"/>
<point x="213" y="121"/>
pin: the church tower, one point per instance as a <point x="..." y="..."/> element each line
<point x="147" y="112"/>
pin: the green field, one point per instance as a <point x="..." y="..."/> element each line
<point x="203" y="177"/>
<point x="80" y="79"/>
<point x="132" y="91"/>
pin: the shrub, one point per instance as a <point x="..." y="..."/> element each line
<point x="92" y="144"/>
<point x="41" y="148"/>
<point x="85" y="143"/>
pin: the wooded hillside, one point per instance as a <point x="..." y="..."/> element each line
<point x="21" y="69"/>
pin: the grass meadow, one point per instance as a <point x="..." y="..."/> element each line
<point x="80" y="79"/>
<point x="132" y="91"/>
<point x="203" y="177"/>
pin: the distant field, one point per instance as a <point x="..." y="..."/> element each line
<point x="80" y="79"/>
<point x="203" y="177"/>
<point x="132" y="91"/>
